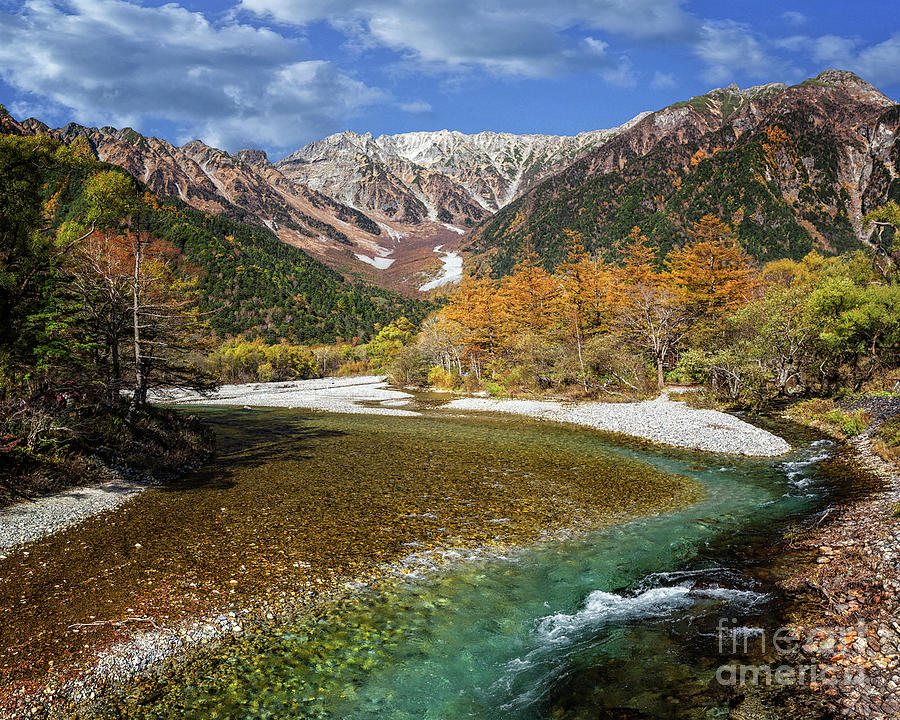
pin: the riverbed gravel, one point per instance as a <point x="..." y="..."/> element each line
<point x="367" y="395"/>
<point x="661" y="421"/>
<point x="27" y="521"/>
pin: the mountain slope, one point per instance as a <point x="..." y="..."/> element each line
<point x="248" y="281"/>
<point x="790" y="168"/>
<point x="247" y="187"/>
<point x="445" y="176"/>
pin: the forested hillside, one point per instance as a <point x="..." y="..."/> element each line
<point x="248" y="281"/>
<point x="790" y="169"/>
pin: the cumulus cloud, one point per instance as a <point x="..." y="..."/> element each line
<point x="728" y="47"/>
<point x="530" y="38"/>
<point x="111" y="61"/>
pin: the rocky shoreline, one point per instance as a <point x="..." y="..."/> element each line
<point x="31" y="520"/>
<point x="848" y="591"/>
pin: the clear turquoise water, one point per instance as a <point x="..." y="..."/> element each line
<point x="620" y="620"/>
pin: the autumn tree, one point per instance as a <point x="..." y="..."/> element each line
<point x="476" y="313"/>
<point x="132" y="293"/>
<point x="443" y="342"/>
<point x="650" y="314"/>
<point x="529" y="298"/>
<point x="585" y="302"/>
<point x="711" y="276"/>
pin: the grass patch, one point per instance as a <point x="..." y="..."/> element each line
<point x="822" y="413"/>
<point x="697" y="399"/>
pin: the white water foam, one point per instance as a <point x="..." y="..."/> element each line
<point x="800" y="472"/>
<point x="604" y="607"/>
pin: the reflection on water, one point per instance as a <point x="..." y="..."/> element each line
<point x="620" y="622"/>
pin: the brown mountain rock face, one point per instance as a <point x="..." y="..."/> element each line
<point x="248" y="187"/>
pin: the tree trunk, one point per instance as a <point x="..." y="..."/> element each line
<point x="139" y="397"/>
<point x="115" y="383"/>
<point x="660" y="377"/>
<point x="580" y="356"/>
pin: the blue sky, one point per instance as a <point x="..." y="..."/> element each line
<point x="275" y="74"/>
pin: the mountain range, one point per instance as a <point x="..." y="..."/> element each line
<point x="791" y="168"/>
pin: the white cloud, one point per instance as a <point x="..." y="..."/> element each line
<point x="416" y="107"/>
<point x="662" y="81"/>
<point x="728" y="48"/>
<point x="878" y="63"/>
<point x="832" y="50"/>
<point x="792" y="17"/>
<point x="114" y="62"/>
<point x="530" y="38"/>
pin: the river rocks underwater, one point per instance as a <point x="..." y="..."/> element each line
<point x="476" y="567"/>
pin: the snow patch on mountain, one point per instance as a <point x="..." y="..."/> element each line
<point x="382" y="263"/>
<point x="451" y="272"/>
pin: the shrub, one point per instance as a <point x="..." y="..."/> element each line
<point x="409" y="366"/>
<point x="850" y="424"/>
<point x="265" y="372"/>
<point x="812" y="408"/>
<point x="887" y="440"/>
<point x="822" y="412"/>
<point x="692" y="368"/>
<point x="439" y="378"/>
<point x="353" y="368"/>
<point x="518" y="378"/>
<point x="471" y="384"/>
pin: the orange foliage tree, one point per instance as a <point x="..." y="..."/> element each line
<point x="711" y="275"/>
<point x="532" y="316"/>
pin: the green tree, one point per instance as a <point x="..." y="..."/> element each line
<point x="33" y="301"/>
<point x="389" y="341"/>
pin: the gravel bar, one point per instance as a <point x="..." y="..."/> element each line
<point x="31" y="520"/>
<point x="339" y="395"/>
<point x="661" y="421"/>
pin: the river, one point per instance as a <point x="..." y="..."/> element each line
<point x="597" y="591"/>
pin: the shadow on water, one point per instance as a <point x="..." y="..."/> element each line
<point x="245" y="440"/>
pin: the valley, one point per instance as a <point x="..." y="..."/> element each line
<point x="435" y="424"/>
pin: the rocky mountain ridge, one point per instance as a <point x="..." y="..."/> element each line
<point x="790" y="168"/>
<point x="445" y="176"/>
